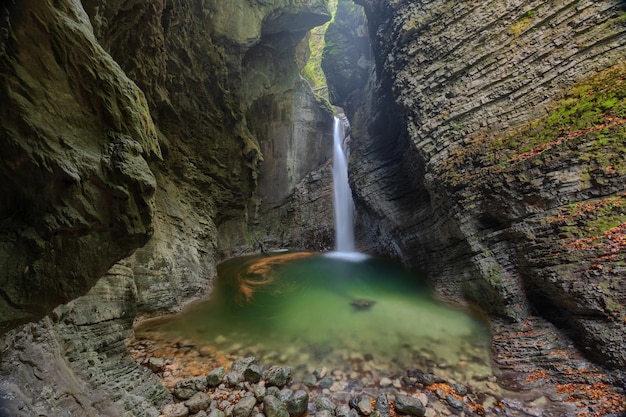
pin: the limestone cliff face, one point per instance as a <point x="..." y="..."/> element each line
<point x="128" y="122"/>
<point x="222" y="82"/>
<point x="346" y="60"/>
<point x="92" y="167"/>
<point x="75" y="362"/>
<point x="76" y="134"/>
<point x="486" y="151"/>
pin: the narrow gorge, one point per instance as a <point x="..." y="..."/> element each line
<point x="142" y="143"/>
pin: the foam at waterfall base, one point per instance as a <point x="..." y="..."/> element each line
<point x="347" y="256"/>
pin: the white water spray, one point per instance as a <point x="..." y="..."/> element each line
<point x="344" y="206"/>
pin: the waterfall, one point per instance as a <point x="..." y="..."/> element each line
<point x="344" y="206"/>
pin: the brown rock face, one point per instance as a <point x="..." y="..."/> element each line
<point x="486" y="151"/>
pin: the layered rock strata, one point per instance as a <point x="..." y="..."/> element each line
<point x="486" y="151"/>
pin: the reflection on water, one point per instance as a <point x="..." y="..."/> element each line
<point x="306" y="309"/>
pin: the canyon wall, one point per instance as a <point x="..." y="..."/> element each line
<point x="142" y="142"/>
<point x="488" y="151"/>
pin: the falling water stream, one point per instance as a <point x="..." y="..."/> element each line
<point x="343" y="204"/>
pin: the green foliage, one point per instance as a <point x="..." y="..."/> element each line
<point x="592" y="217"/>
<point x="312" y="71"/>
<point x="584" y="109"/>
<point x="587" y="124"/>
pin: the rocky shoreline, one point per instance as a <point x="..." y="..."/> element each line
<point x="204" y="382"/>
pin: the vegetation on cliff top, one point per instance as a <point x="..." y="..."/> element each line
<point x="312" y="71"/>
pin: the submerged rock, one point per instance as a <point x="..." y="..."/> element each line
<point x="362" y="304"/>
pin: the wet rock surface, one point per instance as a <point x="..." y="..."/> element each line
<point x="77" y="360"/>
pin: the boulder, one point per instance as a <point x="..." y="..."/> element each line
<point x="198" y="401"/>
<point x="409" y="406"/>
<point x="273" y="407"/>
<point x="244" y="407"/>
<point x="278" y="376"/>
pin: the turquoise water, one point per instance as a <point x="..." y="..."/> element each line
<point x="299" y="308"/>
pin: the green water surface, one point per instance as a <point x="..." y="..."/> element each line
<point x="299" y="308"/>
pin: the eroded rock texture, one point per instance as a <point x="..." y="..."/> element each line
<point x="487" y="151"/>
<point x="75" y="361"/>
<point x="126" y="122"/>
<point x="222" y="82"/>
<point x="76" y="132"/>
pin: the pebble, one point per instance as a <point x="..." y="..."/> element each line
<point x="244" y="407"/>
<point x="326" y="382"/>
<point x="323" y="403"/>
<point x="342" y="410"/>
<point x="252" y="373"/>
<point x="410" y="406"/>
<point x="259" y="392"/>
<point x="156" y="364"/>
<point x="214" y="378"/>
<point x="237" y="395"/>
<point x="233" y="378"/>
<point x="385" y="382"/>
<point x="297" y="404"/>
<point x="278" y="375"/>
<point x="273" y="407"/>
<point x="241" y="364"/>
<point x="284" y="394"/>
<point x="175" y="410"/>
<point x="460" y="389"/>
<point x="364" y="406"/>
<point x="320" y="372"/>
<point x="187" y="387"/>
<point x="198" y="402"/>
<point x="422" y="397"/>
<point x="454" y="402"/>
<point x="216" y="413"/>
<point x="310" y="380"/>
